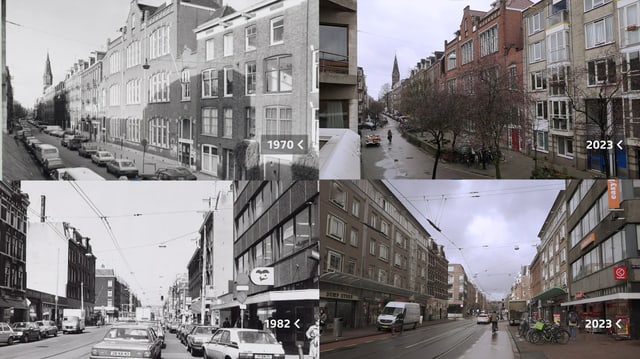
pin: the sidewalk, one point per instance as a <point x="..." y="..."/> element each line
<point x="354" y="333"/>
<point x="585" y="346"/>
<point x="151" y="161"/>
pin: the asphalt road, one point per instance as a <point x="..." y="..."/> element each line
<point x="455" y="339"/>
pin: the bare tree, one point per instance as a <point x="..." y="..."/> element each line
<point x="384" y="95"/>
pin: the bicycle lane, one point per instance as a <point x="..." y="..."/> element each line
<point x="585" y="346"/>
<point x="492" y="345"/>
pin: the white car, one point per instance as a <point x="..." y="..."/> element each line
<point x="236" y="343"/>
<point x="101" y="158"/>
<point x="483" y="318"/>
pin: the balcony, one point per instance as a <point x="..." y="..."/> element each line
<point x="557" y="18"/>
<point x="334" y="69"/>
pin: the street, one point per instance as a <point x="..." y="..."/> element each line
<point x="400" y="159"/>
<point x="452" y="339"/>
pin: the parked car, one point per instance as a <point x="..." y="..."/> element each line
<point x="483" y="318"/>
<point x="186" y="330"/>
<point x="367" y="125"/>
<point x="232" y="342"/>
<point x="31" y="143"/>
<point x="87" y="149"/>
<point x="47" y="328"/>
<point x="372" y="140"/>
<point x="57" y="133"/>
<point x="101" y="158"/>
<point x="122" y="167"/>
<point x="19" y="134"/>
<point x="65" y="140"/>
<point x="51" y="164"/>
<point x="74" y="143"/>
<point x="199" y="335"/>
<point x="171" y="174"/>
<point x="158" y="329"/>
<point x="129" y="341"/>
<point x="26" y="331"/>
<point x="7" y="335"/>
<point x="82" y="138"/>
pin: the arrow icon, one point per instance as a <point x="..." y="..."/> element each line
<point x="619" y="144"/>
<point x="302" y="141"/>
<point x="296" y="323"/>
<point x="618" y="323"/>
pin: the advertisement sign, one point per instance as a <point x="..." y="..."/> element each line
<point x="556" y="318"/>
<point x="587" y="240"/>
<point x="619" y="272"/>
<point x="613" y="190"/>
<point x="262" y="276"/>
<point x="622" y="326"/>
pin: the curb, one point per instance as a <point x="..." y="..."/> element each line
<point x="514" y="344"/>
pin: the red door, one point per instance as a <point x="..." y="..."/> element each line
<point x="515" y="139"/>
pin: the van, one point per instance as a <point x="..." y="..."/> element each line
<point x="46" y="151"/>
<point x="394" y="312"/>
<point x="77" y="174"/>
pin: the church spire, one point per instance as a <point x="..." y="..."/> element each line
<point x="47" y="77"/>
<point x="395" y="75"/>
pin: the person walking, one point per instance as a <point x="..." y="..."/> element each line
<point x="389" y="135"/>
<point x="323" y="320"/>
<point x="573" y="323"/>
<point x="313" y="334"/>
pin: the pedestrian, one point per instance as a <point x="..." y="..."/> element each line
<point x="399" y="323"/>
<point x="313" y="334"/>
<point x="494" y="321"/>
<point x="389" y="135"/>
<point x="226" y="323"/>
<point x="323" y="320"/>
<point x="573" y="323"/>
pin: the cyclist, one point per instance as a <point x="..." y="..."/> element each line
<point x="494" y="321"/>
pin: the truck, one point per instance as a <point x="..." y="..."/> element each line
<point x="516" y="310"/>
<point x="73" y="321"/>
<point x="143" y="314"/>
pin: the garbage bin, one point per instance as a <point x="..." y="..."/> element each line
<point x="337" y="327"/>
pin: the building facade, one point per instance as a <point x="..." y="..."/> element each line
<point x="92" y="107"/>
<point x="13" y="252"/>
<point x="374" y="251"/>
<point x="113" y="296"/>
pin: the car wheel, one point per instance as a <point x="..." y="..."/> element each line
<point x="193" y="352"/>
<point x="39" y="337"/>
<point x="55" y="334"/>
<point x="10" y="341"/>
<point x="25" y="339"/>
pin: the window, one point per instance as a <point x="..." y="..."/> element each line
<point x="560" y="115"/>
<point x="451" y="60"/>
<point x="372" y="247"/>
<point x="382" y="276"/>
<point x="351" y="267"/>
<point x="159" y="87"/>
<point x="250" y="78"/>
<point x="114" y="62"/>
<point x="601" y="72"/>
<point x="338" y="196"/>
<point x="250" y="114"/>
<point x="373" y="221"/>
<point x="558" y="80"/>
<point x="565" y="146"/>
<point x="209" y="83"/>
<point x="133" y="54"/>
<point x="228" y="123"/>
<point x="535" y="23"/>
<point x="631" y="71"/>
<point x="542" y="140"/>
<point x="599" y="32"/>
<point x="208" y="50"/>
<point x="354" y="237"/>
<point x="133" y="129"/>
<point x="538" y="81"/>
<point x="513" y="78"/>
<point x="467" y="52"/>
<point x="489" y="41"/>
<point x="278" y="74"/>
<point x="557" y="44"/>
<point x="384" y="252"/>
<point x="114" y="95"/>
<point x="159" y="42"/>
<point x="210" y="121"/>
<point x="592" y="4"/>
<point x="397" y="260"/>
<point x="536" y="52"/>
<point x="334" y="261"/>
<point x="629" y="24"/>
<point x="355" y="208"/>
<point x="384" y="228"/>
<point x="227" y="44"/>
<point x="228" y="81"/>
<point x="541" y="110"/>
<point x="159" y="132"/>
<point x="133" y="91"/>
<point x="335" y="228"/>
<point x="278" y="120"/>
<point x="277" y="30"/>
<point x="185" y="83"/>
<point x="250" y="36"/>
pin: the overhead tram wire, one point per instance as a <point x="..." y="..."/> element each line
<point x="491" y="192"/>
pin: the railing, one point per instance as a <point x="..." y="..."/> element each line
<point x="561" y="16"/>
<point x="334" y="63"/>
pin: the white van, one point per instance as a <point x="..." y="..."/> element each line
<point x="77" y="174"/>
<point x="393" y="312"/>
<point x="46" y="151"/>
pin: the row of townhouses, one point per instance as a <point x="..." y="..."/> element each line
<point x="200" y="83"/>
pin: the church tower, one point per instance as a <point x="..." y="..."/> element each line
<point x="395" y="75"/>
<point x="47" y="78"/>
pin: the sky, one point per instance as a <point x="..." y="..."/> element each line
<point x="170" y="213"/>
<point x="498" y="214"/>
<point x="410" y="29"/>
<point x="68" y="29"/>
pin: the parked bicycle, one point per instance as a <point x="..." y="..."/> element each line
<point x="547" y="332"/>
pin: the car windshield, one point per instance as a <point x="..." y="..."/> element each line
<point x="392" y="310"/>
<point x="126" y="163"/>
<point x="138" y="334"/>
<point x="204" y="330"/>
<point x="258" y="337"/>
<point x="20" y="325"/>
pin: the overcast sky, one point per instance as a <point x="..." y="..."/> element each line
<point x="501" y="214"/>
<point x="171" y="212"/>
<point x="410" y="29"/>
<point x="68" y="29"/>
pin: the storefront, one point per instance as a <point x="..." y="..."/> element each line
<point x="620" y="310"/>
<point x="548" y="305"/>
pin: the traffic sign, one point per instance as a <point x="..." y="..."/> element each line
<point x="242" y="279"/>
<point x="241" y="297"/>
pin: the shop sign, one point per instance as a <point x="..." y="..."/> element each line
<point x="613" y="186"/>
<point x="579" y="294"/>
<point x="339" y="295"/>
<point x="619" y="272"/>
<point x="556" y="318"/>
<point x="587" y="240"/>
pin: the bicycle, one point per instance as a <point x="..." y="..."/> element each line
<point x="549" y="333"/>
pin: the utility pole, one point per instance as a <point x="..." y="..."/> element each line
<point x="82" y="295"/>
<point x="204" y="271"/>
<point x="57" y="281"/>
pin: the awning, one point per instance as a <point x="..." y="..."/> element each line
<point x="8" y="303"/>
<point x="272" y="296"/>
<point x="603" y="298"/>
<point x="550" y="293"/>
